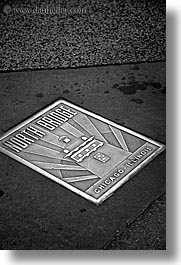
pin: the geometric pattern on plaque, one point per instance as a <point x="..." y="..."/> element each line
<point x="68" y="151"/>
<point x="133" y="142"/>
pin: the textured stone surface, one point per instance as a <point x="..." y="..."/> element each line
<point x="110" y="32"/>
<point x="146" y="232"/>
<point x="36" y="213"/>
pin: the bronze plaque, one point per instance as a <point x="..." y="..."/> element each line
<point x="80" y="150"/>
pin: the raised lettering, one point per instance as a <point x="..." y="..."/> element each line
<point x="69" y="110"/>
<point x="63" y="113"/>
<point x="97" y="191"/>
<point x="61" y="118"/>
<point x="121" y="171"/>
<point x="24" y="139"/>
<point x="143" y="152"/>
<point x="19" y="142"/>
<point x="107" y="181"/>
<point x="138" y="156"/>
<point x="35" y="131"/>
<point x="46" y="125"/>
<point x="149" y="148"/>
<point x="116" y="174"/>
<point x="112" y="178"/>
<point x="102" y="186"/>
<point x="12" y="146"/>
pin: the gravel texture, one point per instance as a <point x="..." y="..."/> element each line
<point x="146" y="232"/>
<point x="100" y="33"/>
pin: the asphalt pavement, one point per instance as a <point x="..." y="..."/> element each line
<point x="37" y="213"/>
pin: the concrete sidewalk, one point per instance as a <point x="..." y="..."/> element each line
<point x="37" y="213"/>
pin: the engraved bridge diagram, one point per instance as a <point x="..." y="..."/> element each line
<point x="80" y="150"/>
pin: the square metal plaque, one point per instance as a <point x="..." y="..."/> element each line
<point x="80" y="150"/>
